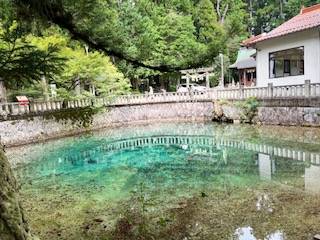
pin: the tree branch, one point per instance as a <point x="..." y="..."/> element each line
<point x="54" y="12"/>
<point x="225" y="13"/>
<point x="218" y="9"/>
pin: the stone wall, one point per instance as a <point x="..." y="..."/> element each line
<point x="299" y="112"/>
<point x="296" y="116"/>
<point x="23" y="131"/>
<point x="289" y="112"/>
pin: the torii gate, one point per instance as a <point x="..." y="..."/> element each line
<point x="197" y="74"/>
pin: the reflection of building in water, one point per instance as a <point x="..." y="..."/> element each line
<point x="312" y="179"/>
<point x="271" y="167"/>
<point x="265" y="166"/>
<point x="247" y="233"/>
<point x="244" y="233"/>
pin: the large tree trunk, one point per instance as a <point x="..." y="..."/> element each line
<point x="13" y="225"/>
<point x="3" y="91"/>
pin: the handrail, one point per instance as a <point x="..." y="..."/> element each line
<point x="306" y="90"/>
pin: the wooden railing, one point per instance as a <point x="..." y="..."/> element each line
<point x="306" y="90"/>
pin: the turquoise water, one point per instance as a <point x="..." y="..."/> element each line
<point x="106" y="170"/>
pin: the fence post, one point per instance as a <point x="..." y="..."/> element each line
<point x="241" y="92"/>
<point x="307" y="88"/>
<point x="6" y="108"/>
<point x="270" y="90"/>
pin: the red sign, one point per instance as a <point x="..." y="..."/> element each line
<point x="23" y="100"/>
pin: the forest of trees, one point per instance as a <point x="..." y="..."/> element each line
<point x="107" y="46"/>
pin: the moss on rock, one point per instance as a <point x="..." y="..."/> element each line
<point x="81" y="117"/>
<point x="13" y="225"/>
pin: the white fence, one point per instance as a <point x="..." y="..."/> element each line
<point x="292" y="91"/>
<point x="15" y="109"/>
<point x="162" y="98"/>
<point x="306" y="90"/>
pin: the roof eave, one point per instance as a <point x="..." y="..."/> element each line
<point x="282" y="35"/>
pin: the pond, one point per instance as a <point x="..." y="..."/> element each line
<point x="174" y="181"/>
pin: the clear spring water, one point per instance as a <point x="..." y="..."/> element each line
<point x="101" y="171"/>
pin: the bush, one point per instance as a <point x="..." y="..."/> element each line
<point x="249" y="109"/>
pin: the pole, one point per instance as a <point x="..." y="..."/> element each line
<point x="45" y="88"/>
<point x="3" y="91"/>
<point x="188" y="80"/>
<point x="207" y="80"/>
<point x="222" y="71"/>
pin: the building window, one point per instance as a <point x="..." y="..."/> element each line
<point x="286" y="63"/>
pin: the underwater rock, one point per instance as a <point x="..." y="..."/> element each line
<point x="92" y="161"/>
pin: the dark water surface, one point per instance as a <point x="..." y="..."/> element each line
<point x="174" y="181"/>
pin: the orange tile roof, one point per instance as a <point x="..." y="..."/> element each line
<point x="248" y="41"/>
<point x="307" y="19"/>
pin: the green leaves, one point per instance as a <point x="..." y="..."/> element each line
<point x="21" y="62"/>
<point x="249" y="109"/>
<point x="179" y="34"/>
<point x="268" y="14"/>
<point x="92" y="68"/>
<point x="24" y="59"/>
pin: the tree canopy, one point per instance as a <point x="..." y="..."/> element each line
<point x="128" y="39"/>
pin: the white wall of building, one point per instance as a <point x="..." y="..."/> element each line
<point x="309" y="39"/>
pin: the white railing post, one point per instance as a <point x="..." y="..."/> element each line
<point x="307" y="88"/>
<point x="270" y="90"/>
<point x="38" y="106"/>
<point x="43" y="106"/>
<point x="6" y="108"/>
<point x="48" y="106"/>
<point x="241" y="92"/>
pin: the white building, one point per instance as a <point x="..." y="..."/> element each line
<point x="290" y="54"/>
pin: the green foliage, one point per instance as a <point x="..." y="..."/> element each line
<point x="35" y="91"/>
<point x="249" y="109"/>
<point x="26" y="58"/>
<point x="268" y="14"/>
<point x="92" y="68"/>
<point x="178" y="34"/>
<point x="224" y="102"/>
<point x="21" y="63"/>
<point x="174" y="33"/>
<point x="82" y="66"/>
<point x="214" y="81"/>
